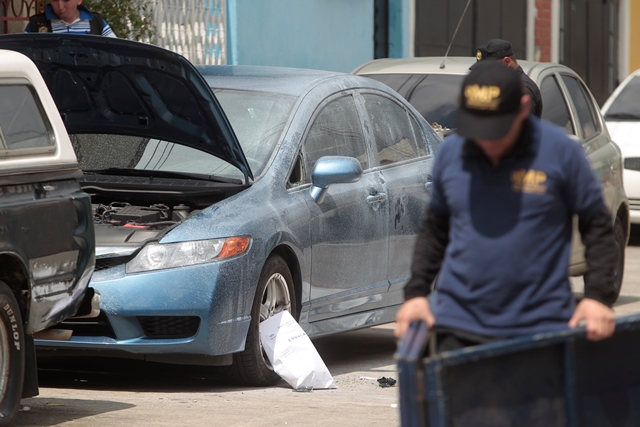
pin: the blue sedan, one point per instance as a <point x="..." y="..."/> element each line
<point x="226" y="194"/>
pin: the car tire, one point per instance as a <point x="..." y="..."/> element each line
<point x="274" y="294"/>
<point x="12" y="359"/>
<point x="621" y="245"/>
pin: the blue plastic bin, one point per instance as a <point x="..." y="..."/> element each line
<point x="555" y="379"/>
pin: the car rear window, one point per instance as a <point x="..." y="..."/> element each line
<point x="22" y="121"/>
<point x="626" y="105"/>
<point x="435" y="96"/>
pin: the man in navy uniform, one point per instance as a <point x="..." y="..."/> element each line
<point x="497" y="232"/>
<point x="500" y="50"/>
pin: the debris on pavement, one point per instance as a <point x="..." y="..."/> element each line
<point x="386" y="382"/>
<point x="304" y="389"/>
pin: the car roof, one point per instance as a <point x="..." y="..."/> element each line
<point x="288" y="81"/>
<point x="433" y="64"/>
<point x="620" y="88"/>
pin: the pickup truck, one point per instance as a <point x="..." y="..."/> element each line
<point x="47" y="243"/>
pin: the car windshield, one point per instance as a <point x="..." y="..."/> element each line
<point x="257" y="119"/>
<point x="435" y="96"/>
<point x="626" y="106"/>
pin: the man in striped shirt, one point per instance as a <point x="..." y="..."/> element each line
<point x="68" y="16"/>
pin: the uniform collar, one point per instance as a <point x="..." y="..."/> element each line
<point x="523" y="147"/>
<point x="85" y="14"/>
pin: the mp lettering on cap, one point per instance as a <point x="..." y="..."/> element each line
<point x="482" y="97"/>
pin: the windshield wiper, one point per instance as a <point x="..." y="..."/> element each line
<point x="622" y="116"/>
<point x="163" y="174"/>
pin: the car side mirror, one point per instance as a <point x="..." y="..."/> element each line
<point x="331" y="170"/>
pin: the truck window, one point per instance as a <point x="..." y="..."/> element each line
<point x="22" y="122"/>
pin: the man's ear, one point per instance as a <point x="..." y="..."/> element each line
<point x="507" y="60"/>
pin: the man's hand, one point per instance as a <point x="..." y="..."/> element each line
<point x="599" y="319"/>
<point x="413" y="309"/>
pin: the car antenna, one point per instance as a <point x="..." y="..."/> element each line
<point x="454" y="33"/>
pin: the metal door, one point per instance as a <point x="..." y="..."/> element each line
<point x="589" y="41"/>
<point x="436" y="21"/>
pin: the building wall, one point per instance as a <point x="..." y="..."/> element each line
<point x="543" y="27"/>
<point x="334" y="35"/>
<point x="400" y="28"/>
<point x="634" y="36"/>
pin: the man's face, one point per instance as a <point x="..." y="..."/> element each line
<point x="496" y="149"/>
<point x="67" y="10"/>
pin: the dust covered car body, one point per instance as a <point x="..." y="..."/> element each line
<point x="226" y="194"/>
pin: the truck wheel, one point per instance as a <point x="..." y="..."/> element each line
<point x="275" y="293"/>
<point x="12" y="347"/>
<point x="621" y="244"/>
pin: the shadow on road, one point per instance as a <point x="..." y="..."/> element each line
<point x="626" y="299"/>
<point x="634" y="236"/>
<point x="102" y="373"/>
<point x="57" y="411"/>
<point x="362" y="350"/>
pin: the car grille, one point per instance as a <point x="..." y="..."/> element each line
<point x="92" y="327"/>
<point x="632" y="163"/>
<point x="169" y="326"/>
<point x="634" y="204"/>
<point x="104" y="263"/>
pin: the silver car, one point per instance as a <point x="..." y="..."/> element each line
<point x="432" y="86"/>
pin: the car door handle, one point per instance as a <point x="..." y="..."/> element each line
<point x="429" y="183"/>
<point x="376" y="198"/>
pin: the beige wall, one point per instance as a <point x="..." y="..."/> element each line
<point x="634" y="35"/>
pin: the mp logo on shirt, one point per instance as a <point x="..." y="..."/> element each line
<point x="529" y="181"/>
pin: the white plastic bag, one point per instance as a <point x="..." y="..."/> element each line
<point x="292" y="353"/>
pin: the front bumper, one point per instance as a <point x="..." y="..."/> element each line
<point x="140" y="311"/>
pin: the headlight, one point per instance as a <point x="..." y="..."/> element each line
<point x="158" y="256"/>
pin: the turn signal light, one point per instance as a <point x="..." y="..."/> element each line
<point x="234" y="246"/>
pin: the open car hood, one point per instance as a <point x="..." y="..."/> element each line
<point x="116" y="86"/>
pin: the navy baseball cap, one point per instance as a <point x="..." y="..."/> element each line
<point x="493" y="50"/>
<point x="489" y="101"/>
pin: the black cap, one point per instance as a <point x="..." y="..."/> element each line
<point x="493" y="50"/>
<point x="489" y="101"/>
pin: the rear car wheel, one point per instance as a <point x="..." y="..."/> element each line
<point x="12" y="348"/>
<point x="275" y="293"/>
<point x="621" y="244"/>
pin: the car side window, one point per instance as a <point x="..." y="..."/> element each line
<point x="555" y="107"/>
<point x="584" y="108"/>
<point x="22" y="122"/>
<point x="336" y="131"/>
<point x="397" y="135"/>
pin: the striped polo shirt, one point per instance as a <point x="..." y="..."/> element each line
<point x="80" y="26"/>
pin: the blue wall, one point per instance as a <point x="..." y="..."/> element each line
<point x="399" y="28"/>
<point x="332" y="35"/>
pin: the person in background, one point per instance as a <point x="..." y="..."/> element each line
<point x="69" y="16"/>
<point x="497" y="232"/>
<point x="500" y="50"/>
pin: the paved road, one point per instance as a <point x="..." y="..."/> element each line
<point x="100" y="393"/>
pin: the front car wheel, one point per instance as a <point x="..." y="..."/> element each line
<point x="275" y="293"/>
